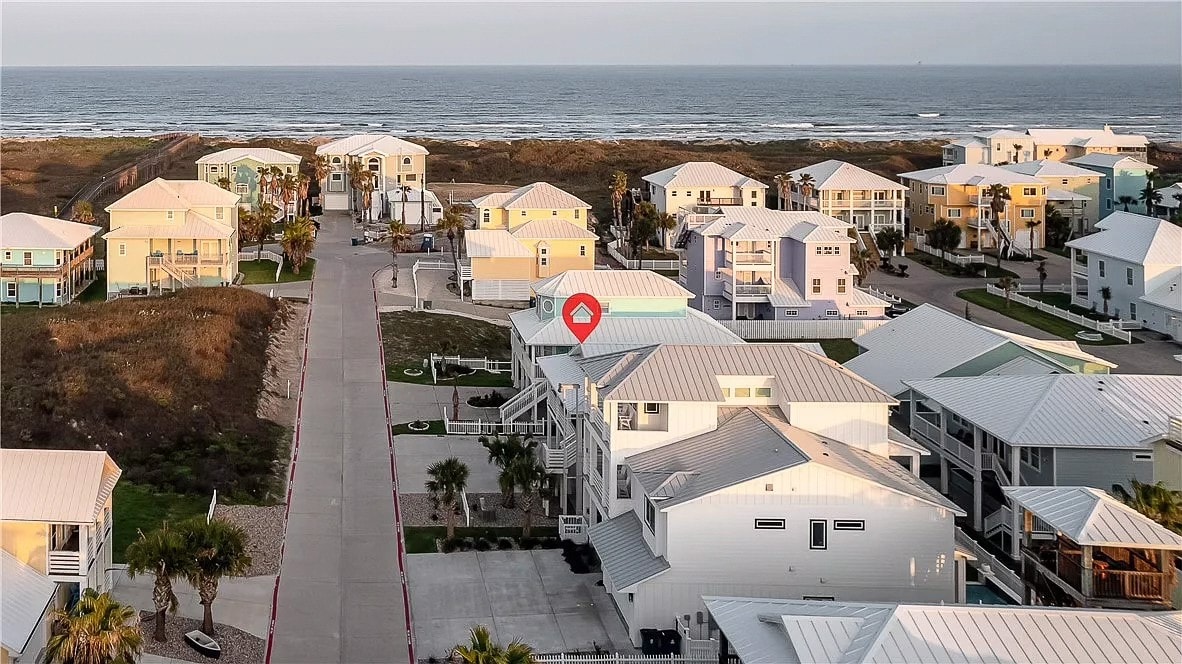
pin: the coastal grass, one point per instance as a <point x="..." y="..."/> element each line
<point x="409" y="337"/>
<point x="138" y="507"/>
<point x="263" y="272"/>
<point x="1033" y="317"/>
<point x="972" y="271"/>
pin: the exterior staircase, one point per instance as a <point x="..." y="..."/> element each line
<point x="866" y="241"/>
<point x="523" y="402"/>
<point x="997" y="522"/>
<point x="175" y="270"/>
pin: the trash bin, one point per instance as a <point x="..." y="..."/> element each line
<point x="355" y="242"/>
<point x="670" y="642"/>
<point x="650" y="641"/>
<point x="428" y="243"/>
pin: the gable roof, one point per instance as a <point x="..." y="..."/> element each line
<point x="1168" y="295"/>
<point x="610" y="284"/>
<point x="553" y="229"/>
<point x="260" y="154"/>
<point x="55" y="486"/>
<point x="701" y="174"/>
<point x="1048" y="168"/>
<point x="1114" y="411"/>
<point x="1091" y="517"/>
<point x="690" y="373"/>
<point x="756" y="223"/>
<point x="27" y="594"/>
<point x="536" y="196"/>
<point x="1134" y="238"/>
<point x="1092" y="137"/>
<point x="622" y="551"/>
<point x="1105" y="160"/>
<point x="834" y="174"/>
<point x="981" y="175"/>
<point x="161" y="194"/>
<point x="774" y="631"/>
<point x="615" y="334"/>
<point x="495" y="243"/>
<point x="193" y="226"/>
<point x="1167" y="196"/>
<point x="21" y="230"/>
<point x="361" y="144"/>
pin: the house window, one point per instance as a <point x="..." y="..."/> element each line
<point x="673" y="193"/>
<point x="1129" y="276"/>
<point x="716" y="305"/>
<point x="28" y="258"/>
<point x="170" y="214"/>
<point x="1108" y="204"/>
<point x="726" y="392"/>
<point x="576" y="213"/>
<point x="411" y="177"/>
<point x="790" y="313"/>
<point x="548" y="306"/>
<point x="763" y="392"/>
<point x="650" y="515"/>
<point x="818" y="250"/>
<point x="375" y="164"/>
<point x="848" y="524"/>
<point x="11" y="288"/>
<point x="582" y="250"/>
<point x="817" y="534"/>
<point x="718" y="275"/>
<point x="57" y="289"/>
<point x="219" y="213"/>
<point x="1139" y="456"/>
<point x="1108" y="184"/>
<point x="289" y="170"/>
<point x="769" y="524"/>
<point x="553" y="213"/>
<point x="1027" y="213"/>
<point x="1029" y="191"/>
<point x="742" y="392"/>
<point x="485" y="216"/>
<point x="862" y="312"/>
<point x="523" y="213"/>
<point x="769" y="487"/>
<point x="1101" y="267"/>
<point x="841" y="285"/>
<point x="122" y="249"/>
<point x="1064" y="182"/>
<point x="543" y="256"/>
<point x="599" y="460"/>
<point x="953" y="213"/>
<point x="1132" y="311"/>
<point x="8" y="255"/>
<point x="816" y="286"/>
<point x="832" y="313"/>
<point x="818" y="598"/>
<point x="336" y="161"/>
<point x="213" y="168"/>
<point x="652" y="408"/>
<point x="1031" y="457"/>
<point x="406" y="161"/>
<point x="937" y="190"/>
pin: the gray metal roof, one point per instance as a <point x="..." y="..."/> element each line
<point x="27" y="593"/>
<point x="1134" y="238"/>
<point x="624" y="555"/>
<point x="834" y="174"/>
<point x="1092" y="517"/>
<point x="772" y="631"/>
<point x="615" y="333"/>
<point x="1063" y="410"/>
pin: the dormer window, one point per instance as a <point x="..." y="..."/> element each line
<point x="650" y="514"/>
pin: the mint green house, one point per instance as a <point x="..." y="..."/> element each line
<point x="44" y="260"/>
<point x="1120" y="176"/>
<point x="249" y="173"/>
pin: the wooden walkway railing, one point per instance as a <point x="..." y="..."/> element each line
<point x="131" y="175"/>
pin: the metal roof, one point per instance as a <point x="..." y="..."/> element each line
<point x="1049" y="168"/>
<point x="1063" y="410"/>
<point x="759" y="223"/>
<point x="623" y="553"/>
<point x="773" y="631"/>
<point x="361" y="144"/>
<point x="1167" y="196"/>
<point x="55" y="486"/>
<point x="1168" y="295"/>
<point x="483" y="243"/>
<point x="1073" y="136"/>
<point x="1092" y="517"/>
<point x="536" y="196"/>
<point x="264" y="155"/>
<point x="981" y="175"/>
<point x="1054" y="194"/>
<point x="606" y="284"/>
<point x="1134" y="238"/>
<point x="614" y="334"/>
<point x="21" y="230"/>
<point x="1104" y="160"/>
<point x="27" y="594"/>
<point x="701" y="174"/>
<point x="560" y="369"/>
<point x="553" y="229"/>
<point x="161" y="194"/>
<point x="194" y="225"/>
<point x="690" y="373"/>
<point x="834" y="174"/>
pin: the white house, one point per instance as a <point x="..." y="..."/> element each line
<point x="865" y="200"/>
<point x="678" y="189"/>
<point x="1135" y="260"/>
<point x="763" y="631"/>
<point x="1000" y="146"/>
<point x="414" y="207"/>
<point x="395" y="162"/>
<point x="55" y="539"/>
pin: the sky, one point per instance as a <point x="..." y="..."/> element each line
<point x="244" y="33"/>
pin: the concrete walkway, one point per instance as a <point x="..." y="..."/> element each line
<point x="340" y="595"/>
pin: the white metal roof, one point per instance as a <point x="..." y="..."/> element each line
<point x="55" y="486"/>
<point x="624" y="554"/>
<point x="1054" y="194"/>
<point x="193" y="226"/>
<point x="773" y="631"/>
<point x="27" y="594"/>
<point x="616" y="333"/>
<point x="758" y="223"/>
<point x="1063" y="410"/>
<point x="840" y="175"/>
<point x="263" y="155"/>
<point x="607" y="284"/>
<point x="1134" y="238"/>
<point x="362" y="144"/>
<point x="1168" y="295"/>
<point x="553" y="229"/>
<point x="536" y="196"/>
<point x="1048" y="168"/>
<point x="1091" y="517"/>
<point x="1104" y="160"/>
<point x="1074" y="136"/>
<point x="1167" y="195"/>
<point x="701" y="174"/>
<point x="981" y="175"/>
<point x="484" y="243"/>
<point x="21" y="230"/>
<point x="161" y="194"/>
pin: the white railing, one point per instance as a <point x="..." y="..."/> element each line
<point x="1111" y="329"/>
<point x="750" y="257"/>
<point x="480" y="427"/>
<point x="743" y="290"/>
<point x="779" y="330"/>
<point x="958" y="259"/>
<point x="927" y="429"/>
<point x="523" y="401"/>
<point x="64" y="563"/>
<point x="479" y="363"/>
<point x="695" y="649"/>
<point x="213" y="505"/>
<point x="882" y="295"/>
<point x="595" y="419"/>
<point x="1004" y="578"/>
<point x="572" y="527"/>
<point x="1046" y="288"/>
<point x="997" y="521"/>
<point x="990" y="461"/>
<point x="256" y="254"/>
<point x="620" y="658"/>
<point x="633" y="264"/>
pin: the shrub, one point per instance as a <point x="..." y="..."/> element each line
<point x="493" y="399"/>
<point x="504" y="544"/>
<point x="482" y="544"/>
<point x="466" y="544"/>
<point x="549" y="543"/>
<point x="528" y="543"/>
<point x="449" y="545"/>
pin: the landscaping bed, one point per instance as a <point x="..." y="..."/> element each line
<point x="263" y="272"/>
<point x="264" y="532"/>
<point x="238" y="647"/>
<point x="971" y="271"/>
<point x="1042" y="320"/>
<point x="434" y="427"/>
<point x="418" y="510"/>
<point x="433" y="539"/>
<point x="493" y="399"/>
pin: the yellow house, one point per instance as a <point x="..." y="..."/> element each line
<point x="506" y="262"/>
<point x="960" y="194"/>
<point x="540" y="200"/>
<point x="171" y="234"/>
<point x="395" y="162"/>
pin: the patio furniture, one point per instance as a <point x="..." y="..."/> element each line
<point x="625" y="423"/>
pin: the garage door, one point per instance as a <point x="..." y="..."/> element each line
<point x="336" y="201"/>
<point x="515" y="290"/>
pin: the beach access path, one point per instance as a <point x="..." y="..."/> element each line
<point x="340" y="596"/>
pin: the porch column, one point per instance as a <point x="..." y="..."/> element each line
<point x="943" y="474"/>
<point x="1019" y="534"/>
<point x="1085" y="576"/>
<point x="978" y="488"/>
<point x="724" y="647"/>
<point x="40" y="292"/>
<point x="83" y="549"/>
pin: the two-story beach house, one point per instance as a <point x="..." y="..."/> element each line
<point x="395" y="162"/>
<point x="995" y="431"/>
<point x="867" y="201"/>
<point x="1137" y="262"/>
<point x="1072" y="190"/>
<point x="680" y="189"/>
<point x="1170" y="203"/>
<point x="44" y="260"/>
<point x="758" y="263"/>
<point x="639" y="308"/>
<point x="171" y="234"/>
<point x="1001" y="146"/>
<point x="254" y="173"/>
<point x="1063" y="144"/>
<point x="762" y="631"/>
<point x="1122" y="180"/>
<point x="960" y="194"/>
<point x="55" y="540"/>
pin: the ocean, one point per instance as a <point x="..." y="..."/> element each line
<point x="671" y="103"/>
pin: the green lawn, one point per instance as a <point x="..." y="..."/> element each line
<point x="421" y="539"/>
<point x="433" y="427"/>
<point x="1040" y="319"/>
<point x="263" y="272"/>
<point x="838" y="350"/>
<point x="950" y="270"/>
<point x="1063" y="301"/>
<point x="408" y="337"/>
<point x="138" y="507"/>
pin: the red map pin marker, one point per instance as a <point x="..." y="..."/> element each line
<point x="581" y="313"/>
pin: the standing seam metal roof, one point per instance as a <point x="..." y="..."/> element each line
<point x="624" y="554"/>
<point x="840" y="175"/>
<point x="1092" y="517"/>
<point x="55" y="486"/>
<point x="20" y="230"/>
<point x="701" y="174"/>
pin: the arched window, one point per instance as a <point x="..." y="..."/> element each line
<point x="336" y="162"/>
<point x="406" y="161"/>
<point x="375" y="164"/>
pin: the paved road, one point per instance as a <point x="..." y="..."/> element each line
<point x="340" y="595"/>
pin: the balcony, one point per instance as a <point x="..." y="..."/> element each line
<point x="65" y="563"/>
<point x="720" y="201"/>
<point x="1060" y="578"/>
<point x="635" y="416"/>
<point x="754" y="258"/>
<point x="940" y="439"/>
<point x="746" y="292"/>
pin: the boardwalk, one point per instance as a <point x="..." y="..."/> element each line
<point x="340" y="593"/>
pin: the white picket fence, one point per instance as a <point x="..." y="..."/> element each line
<point x="1046" y="288"/>
<point x="1111" y="329"/>
<point x="880" y="294"/>
<point x="621" y="658"/>
<point x="613" y="250"/>
<point x="479" y="363"/>
<point x="265" y="255"/>
<point x="958" y="259"/>
<point x="783" y="330"/>
<point x="481" y="428"/>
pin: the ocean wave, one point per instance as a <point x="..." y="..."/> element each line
<point x="306" y="125"/>
<point x="493" y="125"/>
<point x="791" y="125"/>
<point x="927" y="115"/>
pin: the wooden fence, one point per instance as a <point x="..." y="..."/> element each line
<point x="129" y="176"/>
<point x="1111" y="329"/>
<point x="783" y="330"/>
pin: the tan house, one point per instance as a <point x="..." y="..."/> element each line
<point x="171" y="234"/>
<point x="1002" y="146"/>
<point x="702" y="183"/>
<point x="960" y="194"/>
<point x="866" y="200"/>
<point x="396" y="162"/>
<point x="1072" y="190"/>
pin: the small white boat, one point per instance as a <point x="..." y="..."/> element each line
<point x="203" y="643"/>
<point x="928" y="115"/>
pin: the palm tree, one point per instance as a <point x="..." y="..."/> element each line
<point x="164" y="554"/>
<point x="83" y="212"/>
<point x="299" y="236"/>
<point x="447" y="481"/>
<point x="453" y="223"/>
<point x="97" y="630"/>
<point x="618" y="185"/>
<point x="365" y="185"/>
<point x="1149" y="195"/>
<point x="288" y="186"/>
<point x="502" y="452"/>
<point x="530" y="475"/>
<point x="1032" y="224"/>
<point x="1017" y="151"/>
<point x="1155" y="501"/>
<point x="999" y="196"/>
<point x="303" y="183"/>
<point x="481" y="649"/>
<point x="806" y="186"/>
<point x="277" y="175"/>
<point x="866" y="261"/>
<point x="224" y="183"/>
<point x="664" y="222"/>
<point x="397" y="235"/>
<point x="1126" y="201"/>
<point x="1007" y="284"/>
<point x="1042" y="275"/>
<point x="1058" y="226"/>
<point x="354" y="171"/>
<point x="248" y="227"/>
<point x="1106" y="295"/>
<point x="943" y="236"/>
<point x="219" y="549"/>
<point x="784" y="184"/>
<point x="322" y="167"/>
<point x="890" y="240"/>
<point x="265" y="222"/>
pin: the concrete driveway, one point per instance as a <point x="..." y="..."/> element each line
<point x="415" y="453"/>
<point x="530" y="595"/>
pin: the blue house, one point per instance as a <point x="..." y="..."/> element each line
<point x="1122" y="176"/>
<point x="44" y="260"/>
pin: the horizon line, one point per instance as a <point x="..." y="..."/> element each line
<point x="582" y="65"/>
